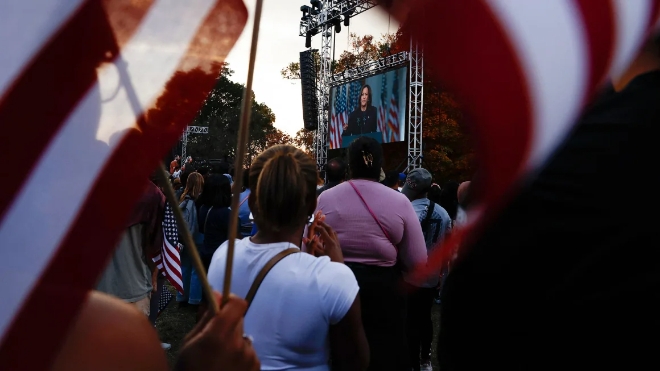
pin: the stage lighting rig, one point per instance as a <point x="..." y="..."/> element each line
<point x="317" y="6"/>
<point x="306" y="11"/>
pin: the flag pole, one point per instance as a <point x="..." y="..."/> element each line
<point x="188" y="241"/>
<point x="243" y="131"/>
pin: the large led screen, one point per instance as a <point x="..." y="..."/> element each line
<point x="374" y="106"/>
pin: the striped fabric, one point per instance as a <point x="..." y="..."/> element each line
<point x="80" y="79"/>
<point x="523" y="70"/>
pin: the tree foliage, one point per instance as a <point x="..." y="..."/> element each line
<point x="448" y="154"/>
<point x="221" y="113"/>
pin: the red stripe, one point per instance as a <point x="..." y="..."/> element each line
<point x="655" y="14"/>
<point x="599" y="26"/>
<point x="75" y="267"/>
<point x="486" y="75"/>
<point x="49" y="88"/>
<point x="173" y="257"/>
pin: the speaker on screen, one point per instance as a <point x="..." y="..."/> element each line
<point x="310" y="103"/>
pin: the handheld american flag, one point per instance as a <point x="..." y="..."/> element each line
<point x="168" y="259"/>
<point x="523" y="70"/>
<point x="98" y="71"/>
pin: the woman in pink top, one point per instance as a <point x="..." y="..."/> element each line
<point x="381" y="239"/>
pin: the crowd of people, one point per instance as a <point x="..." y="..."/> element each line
<point x="322" y="273"/>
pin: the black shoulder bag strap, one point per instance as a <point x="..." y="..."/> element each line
<point x="429" y="215"/>
<point x="264" y="271"/>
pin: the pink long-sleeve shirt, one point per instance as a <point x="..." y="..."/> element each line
<point x="361" y="239"/>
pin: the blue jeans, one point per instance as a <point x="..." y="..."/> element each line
<point x="191" y="286"/>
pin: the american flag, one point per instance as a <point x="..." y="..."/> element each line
<point x="393" y="112"/>
<point x="522" y="78"/>
<point x="354" y="94"/>
<point x="339" y="117"/>
<point x="382" y="115"/>
<point x="168" y="260"/>
<point x="85" y="80"/>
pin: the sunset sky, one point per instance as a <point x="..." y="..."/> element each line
<point x="279" y="45"/>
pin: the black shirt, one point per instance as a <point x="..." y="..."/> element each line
<point x="569" y="274"/>
<point x="362" y="122"/>
<point x="217" y="229"/>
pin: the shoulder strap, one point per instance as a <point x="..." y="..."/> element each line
<point x="243" y="201"/>
<point x="206" y="220"/>
<point x="373" y="215"/>
<point x="264" y="271"/>
<point x="429" y="213"/>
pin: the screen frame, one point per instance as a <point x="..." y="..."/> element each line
<point x="335" y="85"/>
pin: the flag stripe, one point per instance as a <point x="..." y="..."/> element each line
<point x="544" y="56"/>
<point x="630" y="31"/>
<point x="96" y="223"/>
<point x="54" y="84"/>
<point x="598" y="23"/>
<point x="25" y="29"/>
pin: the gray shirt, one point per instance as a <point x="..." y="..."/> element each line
<point x="439" y="226"/>
<point x="128" y="276"/>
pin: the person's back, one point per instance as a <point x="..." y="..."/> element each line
<point x="381" y="240"/>
<point x="302" y="297"/>
<point x="213" y="216"/>
<point x="362" y="240"/>
<point x="299" y="299"/>
<point x="335" y="170"/>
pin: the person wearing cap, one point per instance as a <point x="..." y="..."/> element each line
<point x="436" y="224"/>
<point x="402" y="180"/>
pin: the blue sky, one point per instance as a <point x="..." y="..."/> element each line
<point x="279" y="44"/>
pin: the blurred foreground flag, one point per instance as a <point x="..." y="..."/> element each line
<point x="83" y="88"/>
<point x="523" y="70"/>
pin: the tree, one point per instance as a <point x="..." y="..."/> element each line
<point x="447" y="150"/>
<point x="304" y="140"/>
<point x="221" y="113"/>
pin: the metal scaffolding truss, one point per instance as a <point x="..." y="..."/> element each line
<point x="369" y="69"/>
<point x="333" y="9"/>
<point x="321" y="137"/>
<point x="322" y="21"/>
<point x="415" y="105"/>
<point x="184" y="138"/>
<point x="198" y="129"/>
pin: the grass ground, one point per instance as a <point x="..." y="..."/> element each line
<point x="176" y="321"/>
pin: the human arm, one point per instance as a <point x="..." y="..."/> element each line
<point x="341" y="302"/>
<point x="348" y="342"/>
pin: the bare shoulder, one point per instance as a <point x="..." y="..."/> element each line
<point x="110" y="335"/>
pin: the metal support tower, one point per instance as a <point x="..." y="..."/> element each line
<point x="415" y="105"/>
<point x="184" y="138"/>
<point x="324" y="96"/>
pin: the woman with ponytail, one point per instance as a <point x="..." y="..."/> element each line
<point x="381" y="240"/>
<point x="306" y="308"/>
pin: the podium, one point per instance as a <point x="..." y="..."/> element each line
<point x="348" y="139"/>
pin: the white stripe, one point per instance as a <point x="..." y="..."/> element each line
<point x="47" y="205"/>
<point x="25" y="27"/>
<point x="551" y="45"/>
<point x="631" y="23"/>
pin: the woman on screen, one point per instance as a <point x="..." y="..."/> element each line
<point x="364" y="119"/>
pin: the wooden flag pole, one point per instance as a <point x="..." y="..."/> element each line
<point x="188" y="240"/>
<point x="243" y="130"/>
